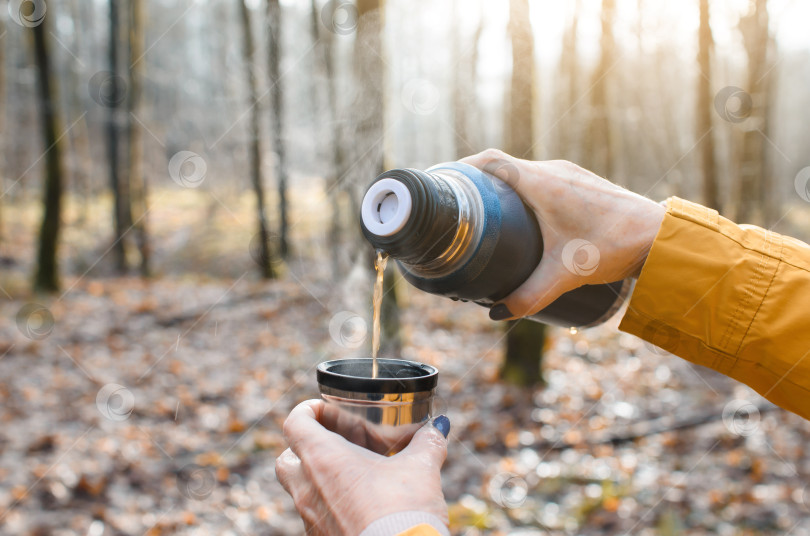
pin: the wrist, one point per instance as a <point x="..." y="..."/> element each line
<point x="649" y="223"/>
<point x="399" y="522"/>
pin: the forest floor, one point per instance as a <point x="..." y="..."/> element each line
<point x="155" y="407"/>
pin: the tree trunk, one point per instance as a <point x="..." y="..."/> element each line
<point x="768" y="191"/>
<point x="120" y="220"/>
<point x="47" y="272"/>
<point x="756" y="38"/>
<point x="368" y="112"/>
<point x="3" y="133"/>
<point x="524" y="353"/>
<point x="277" y="124"/>
<point x="474" y="114"/>
<point x="391" y="339"/>
<point x="524" y="338"/>
<point x="81" y="160"/>
<point x="136" y="176"/>
<point x="520" y="121"/>
<point x="324" y="43"/>
<point x="599" y="146"/>
<point x="569" y="71"/>
<point x="465" y="59"/>
<point x="369" y="105"/>
<point x="705" y="111"/>
<point x="460" y="90"/>
<point x="263" y="257"/>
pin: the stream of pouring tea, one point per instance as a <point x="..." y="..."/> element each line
<point x="379" y="264"/>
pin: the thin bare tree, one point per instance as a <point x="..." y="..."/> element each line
<point x="3" y="133"/>
<point x="263" y="255"/>
<point x="569" y="88"/>
<point x="525" y="339"/>
<point x="705" y="112"/>
<point x="136" y="177"/>
<point x="79" y="136"/>
<point x="465" y="63"/>
<point x="324" y="52"/>
<point x="114" y="82"/>
<point x="47" y="270"/>
<point x="753" y="194"/>
<point x="368" y="112"/>
<point x="599" y="144"/>
<point x="277" y="118"/>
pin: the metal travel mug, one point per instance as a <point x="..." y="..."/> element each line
<point x="382" y="413"/>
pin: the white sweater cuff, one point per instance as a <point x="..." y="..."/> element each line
<point x="393" y="524"/>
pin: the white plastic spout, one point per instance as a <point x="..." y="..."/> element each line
<point x="386" y="207"/>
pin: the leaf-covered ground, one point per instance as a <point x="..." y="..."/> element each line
<point x="155" y="408"/>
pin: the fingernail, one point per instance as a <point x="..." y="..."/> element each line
<point x="442" y="424"/>
<point x="499" y="312"/>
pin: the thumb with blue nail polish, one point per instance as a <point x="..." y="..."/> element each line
<point x="442" y="424"/>
<point x="429" y="444"/>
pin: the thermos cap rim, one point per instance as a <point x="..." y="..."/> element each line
<point x="386" y="207"/>
<point x="395" y="375"/>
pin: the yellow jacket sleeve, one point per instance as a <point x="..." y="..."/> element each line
<point x="730" y="297"/>
<point x="420" y="530"/>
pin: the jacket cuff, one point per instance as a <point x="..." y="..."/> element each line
<point x="701" y="285"/>
<point x="407" y="524"/>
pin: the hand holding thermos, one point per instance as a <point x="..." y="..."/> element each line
<point x="593" y="230"/>
<point x="548" y="240"/>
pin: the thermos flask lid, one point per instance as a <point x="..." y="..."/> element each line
<point x="386" y="207"/>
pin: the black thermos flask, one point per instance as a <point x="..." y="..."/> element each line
<point x="459" y="232"/>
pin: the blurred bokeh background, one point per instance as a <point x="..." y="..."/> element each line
<point x="179" y="248"/>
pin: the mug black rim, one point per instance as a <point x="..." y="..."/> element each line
<point x="330" y="378"/>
